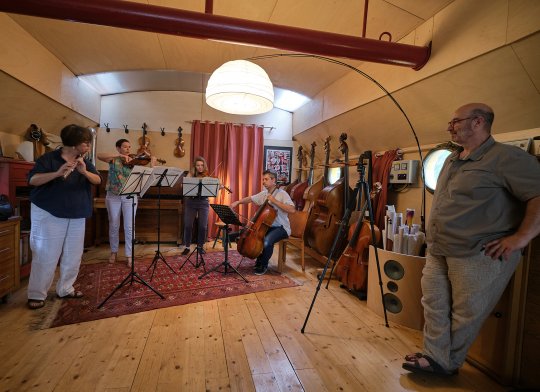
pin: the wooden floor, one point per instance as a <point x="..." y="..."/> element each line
<point x="246" y="343"/>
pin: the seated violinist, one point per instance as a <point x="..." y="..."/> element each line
<point x="281" y="228"/>
<point x="120" y="166"/>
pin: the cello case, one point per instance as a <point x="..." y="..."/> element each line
<point x="323" y="222"/>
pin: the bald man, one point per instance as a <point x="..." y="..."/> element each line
<point x="485" y="210"/>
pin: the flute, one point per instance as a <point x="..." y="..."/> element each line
<point x="68" y="172"/>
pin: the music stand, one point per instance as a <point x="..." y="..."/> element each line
<point x="227" y="216"/>
<point x="161" y="176"/>
<point x="136" y="181"/>
<point x="198" y="187"/>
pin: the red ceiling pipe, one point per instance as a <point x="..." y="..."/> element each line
<point x="164" y="20"/>
<point x="209" y="7"/>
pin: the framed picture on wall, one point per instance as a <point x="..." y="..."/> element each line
<point x="278" y="159"/>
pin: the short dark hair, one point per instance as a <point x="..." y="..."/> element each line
<point x="271" y="173"/>
<point x="119" y="142"/>
<point x="488" y="116"/>
<point x="72" y="135"/>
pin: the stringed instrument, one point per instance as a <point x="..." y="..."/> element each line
<point x="298" y="191"/>
<point x="299" y="156"/>
<point x="144" y="142"/>
<point x="352" y="265"/>
<point x="324" y="218"/>
<point x="179" y="150"/>
<point x="313" y="189"/>
<point x="251" y="241"/>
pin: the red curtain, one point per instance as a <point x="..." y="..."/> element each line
<point x="381" y="173"/>
<point x="234" y="153"/>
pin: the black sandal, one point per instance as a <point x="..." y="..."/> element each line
<point x="432" y="367"/>
<point x="76" y="294"/>
<point x="35" y="303"/>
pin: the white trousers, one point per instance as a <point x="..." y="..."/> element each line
<point x="117" y="205"/>
<point x="458" y="295"/>
<point x="54" y="239"/>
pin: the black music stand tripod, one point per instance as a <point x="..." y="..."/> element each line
<point x="361" y="186"/>
<point x="131" y="189"/>
<point x="227" y="216"/>
<point x="198" y="187"/>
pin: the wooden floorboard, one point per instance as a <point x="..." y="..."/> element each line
<point x="246" y="343"/>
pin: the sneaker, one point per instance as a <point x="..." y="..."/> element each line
<point x="257" y="265"/>
<point x="261" y="270"/>
<point x="185" y="251"/>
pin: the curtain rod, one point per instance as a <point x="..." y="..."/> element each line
<point x="222" y="122"/>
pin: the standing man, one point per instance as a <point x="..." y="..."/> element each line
<point x="485" y="210"/>
<point x="281" y="228"/>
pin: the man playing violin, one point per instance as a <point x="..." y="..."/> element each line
<point x="281" y="227"/>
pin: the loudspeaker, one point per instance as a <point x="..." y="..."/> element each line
<point x="400" y="276"/>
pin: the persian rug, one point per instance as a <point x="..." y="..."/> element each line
<point x="97" y="281"/>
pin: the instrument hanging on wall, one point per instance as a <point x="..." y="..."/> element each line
<point x="251" y="241"/>
<point x="300" y="157"/>
<point x="144" y="142"/>
<point x="179" y="151"/>
<point x="323" y="221"/>
<point x="313" y="189"/>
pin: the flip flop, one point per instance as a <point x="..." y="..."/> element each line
<point x="35" y="303"/>
<point x="431" y="367"/>
<point x="75" y="294"/>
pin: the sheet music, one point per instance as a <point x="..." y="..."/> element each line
<point x="209" y="186"/>
<point x="171" y="177"/>
<point x="137" y="180"/>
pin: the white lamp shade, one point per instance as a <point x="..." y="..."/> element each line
<point x="240" y="87"/>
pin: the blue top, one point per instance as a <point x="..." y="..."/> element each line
<point x="70" y="198"/>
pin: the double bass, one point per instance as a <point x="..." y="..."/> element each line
<point x="323" y="221"/>
<point x="313" y="189"/>
<point x="300" y="156"/>
<point x="297" y="191"/>
<point x="251" y="241"/>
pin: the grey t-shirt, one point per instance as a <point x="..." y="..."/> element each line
<point x="282" y="218"/>
<point x="481" y="198"/>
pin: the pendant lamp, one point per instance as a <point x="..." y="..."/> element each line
<point x="240" y="87"/>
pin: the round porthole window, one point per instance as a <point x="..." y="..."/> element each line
<point x="433" y="163"/>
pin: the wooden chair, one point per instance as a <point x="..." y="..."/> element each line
<point x="220" y="235"/>
<point x="298" y="224"/>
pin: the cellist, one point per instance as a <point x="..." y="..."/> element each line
<point x="281" y="227"/>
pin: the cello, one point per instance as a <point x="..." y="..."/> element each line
<point x="324" y="217"/>
<point x="352" y="265"/>
<point x="251" y="241"/>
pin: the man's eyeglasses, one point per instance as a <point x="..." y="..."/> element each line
<point x="454" y="121"/>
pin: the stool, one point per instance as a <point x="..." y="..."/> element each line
<point x="220" y="235"/>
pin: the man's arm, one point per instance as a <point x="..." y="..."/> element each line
<point x="245" y="200"/>
<point x="528" y="229"/>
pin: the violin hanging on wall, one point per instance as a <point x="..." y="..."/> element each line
<point x="300" y="157"/>
<point x="179" y="151"/>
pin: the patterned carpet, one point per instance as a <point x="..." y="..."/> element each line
<point x="97" y="281"/>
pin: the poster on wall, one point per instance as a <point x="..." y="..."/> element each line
<point x="278" y="159"/>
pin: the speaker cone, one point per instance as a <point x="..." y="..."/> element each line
<point x="392" y="303"/>
<point x="394" y="270"/>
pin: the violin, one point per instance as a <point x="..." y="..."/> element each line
<point x="179" y="151"/>
<point x="144" y="142"/>
<point x="140" y="160"/>
<point x="251" y="241"/>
